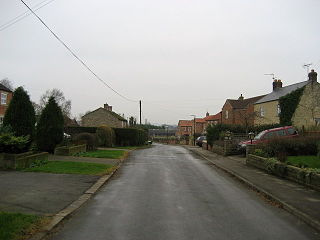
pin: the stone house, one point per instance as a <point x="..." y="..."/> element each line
<point x="240" y="111"/>
<point x="5" y="98"/>
<point x="103" y="116"/>
<point x="307" y="113"/>
<point x="267" y="108"/>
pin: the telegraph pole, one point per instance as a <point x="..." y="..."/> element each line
<point x="140" y="110"/>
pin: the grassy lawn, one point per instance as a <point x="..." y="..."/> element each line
<point x="305" y="161"/>
<point x="72" y="168"/>
<point x="15" y="226"/>
<point x="116" y="154"/>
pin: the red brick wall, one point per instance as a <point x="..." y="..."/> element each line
<point x="3" y="108"/>
<point x="227" y="107"/>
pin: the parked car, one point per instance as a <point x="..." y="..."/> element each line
<point x="199" y="140"/>
<point x="267" y="135"/>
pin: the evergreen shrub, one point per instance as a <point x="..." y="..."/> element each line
<point x="86" y="138"/>
<point x="20" y="114"/>
<point x="49" y="132"/>
<point x="130" y="136"/>
<point x="105" y="136"/>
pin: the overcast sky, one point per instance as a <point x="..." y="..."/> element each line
<point x="180" y="57"/>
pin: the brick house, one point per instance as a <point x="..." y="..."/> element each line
<point x="103" y="116"/>
<point x="5" y="98"/>
<point x="185" y="128"/>
<point x="211" y="119"/>
<point x="240" y="111"/>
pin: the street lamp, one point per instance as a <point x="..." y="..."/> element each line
<point x="194" y="129"/>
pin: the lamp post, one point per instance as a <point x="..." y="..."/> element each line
<point x="194" y="129"/>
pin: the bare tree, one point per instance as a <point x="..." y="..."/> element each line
<point x="59" y="98"/>
<point x="7" y="83"/>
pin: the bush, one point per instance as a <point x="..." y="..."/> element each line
<point x="105" y="136"/>
<point x="130" y="136"/>
<point x="20" y="114"/>
<point x="291" y="147"/>
<point x="86" y="138"/>
<point x="13" y="144"/>
<point x="50" y="127"/>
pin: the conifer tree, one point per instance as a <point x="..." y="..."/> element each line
<point x="50" y="127"/>
<point x="20" y="114"/>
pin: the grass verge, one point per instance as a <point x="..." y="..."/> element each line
<point x="73" y="168"/>
<point x="304" y="161"/>
<point x="115" y="154"/>
<point x="15" y="226"/>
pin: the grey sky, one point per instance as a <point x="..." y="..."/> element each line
<point x="180" y="57"/>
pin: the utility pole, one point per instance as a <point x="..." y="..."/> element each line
<point x="140" y="110"/>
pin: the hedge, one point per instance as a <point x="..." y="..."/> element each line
<point x="130" y="136"/>
<point x="76" y="130"/>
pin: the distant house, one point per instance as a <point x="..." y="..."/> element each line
<point x="184" y="128"/>
<point x="103" y="116"/>
<point x="240" y="111"/>
<point x="5" y="98"/>
<point x="212" y="119"/>
<point x="268" y="108"/>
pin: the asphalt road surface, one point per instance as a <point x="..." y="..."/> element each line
<point x="166" y="192"/>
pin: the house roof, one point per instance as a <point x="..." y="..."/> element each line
<point x="213" y="117"/>
<point x="280" y="92"/>
<point x="4" y="88"/>
<point x="241" y="104"/>
<point x="111" y="112"/>
<point x="200" y="120"/>
<point x="185" y="123"/>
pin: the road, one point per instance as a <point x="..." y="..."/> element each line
<point x="166" y="192"/>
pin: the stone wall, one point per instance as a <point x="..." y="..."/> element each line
<point x="68" y="151"/>
<point x="23" y="160"/>
<point x="292" y="173"/>
<point x="270" y="113"/>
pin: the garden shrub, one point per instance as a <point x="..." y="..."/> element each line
<point x="291" y="147"/>
<point x="49" y="131"/>
<point x="105" y="136"/>
<point x="130" y="136"/>
<point x="13" y="144"/>
<point x="86" y="138"/>
<point x="20" y="114"/>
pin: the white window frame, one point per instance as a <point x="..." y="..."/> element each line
<point x="4" y="98"/>
<point x="262" y="112"/>
<point x="278" y="109"/>
<point x="227" y="114"/>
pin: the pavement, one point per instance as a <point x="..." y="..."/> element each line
<point x="295" y="198"/>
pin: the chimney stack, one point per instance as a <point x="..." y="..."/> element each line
<point x="207" y="114"/>
<point x="276" y="84"/>
<point x="106" y="106"/>
<point x="241" y="97"/>
<point x="312" y="76"/>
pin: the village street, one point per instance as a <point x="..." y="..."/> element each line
<point x="166" y="192"/>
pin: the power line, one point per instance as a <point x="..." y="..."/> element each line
<point x="23" y="15"/>
<point x="78" y="58"/>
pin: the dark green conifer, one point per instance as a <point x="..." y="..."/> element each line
<point x="50" y="127"/>
<point x="20" y="114"/>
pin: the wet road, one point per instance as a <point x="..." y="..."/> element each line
<point x="165" y="192"/>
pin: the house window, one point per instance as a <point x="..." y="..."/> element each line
<point x="278" y="109"/>
<point x="227" y="114"/>
<point x="262" y="112"/>
<point x="4" y="98"/>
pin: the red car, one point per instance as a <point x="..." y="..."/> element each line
<point x="266" y="135"/>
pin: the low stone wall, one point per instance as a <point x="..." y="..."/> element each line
<point x="292" y="173"/>
<point x="22" y="160"/>
<point x="67" y="151"/>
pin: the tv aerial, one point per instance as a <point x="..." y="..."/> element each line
<point x="270" y="74"/>
<point x="307" y="66"/>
